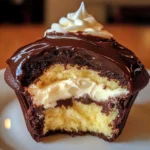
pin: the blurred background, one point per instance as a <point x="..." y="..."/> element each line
<point x="23" y="21"/>
<point x="48" y="11"/>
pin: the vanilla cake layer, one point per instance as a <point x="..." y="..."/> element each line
<point x="60" y="83"/>
<point x="81" y="118"/>
<point x="71" y="83"/>
<point x="59" y="72"/>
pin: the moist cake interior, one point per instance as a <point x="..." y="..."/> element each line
<point x="74" y="98"/>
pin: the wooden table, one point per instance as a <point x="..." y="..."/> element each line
<point x="136" y="38"/>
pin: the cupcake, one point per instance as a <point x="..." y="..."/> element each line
<point x="77" y="80"/>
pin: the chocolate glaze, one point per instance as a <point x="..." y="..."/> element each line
<point x="107" y="57"/>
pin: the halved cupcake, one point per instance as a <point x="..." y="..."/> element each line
<point x="76" y="80"/>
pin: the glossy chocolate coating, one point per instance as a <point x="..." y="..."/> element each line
<point x="104" y="55"/>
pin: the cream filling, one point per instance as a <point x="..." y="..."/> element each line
<point x="73" y="87"/>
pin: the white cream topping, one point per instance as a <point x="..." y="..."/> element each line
<point x="80" y="21"/>
<point x="75" y="87"/>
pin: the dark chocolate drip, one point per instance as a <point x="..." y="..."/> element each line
<point x="104" y="55"/>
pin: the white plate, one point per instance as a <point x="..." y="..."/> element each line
<point x="14" y="135"/>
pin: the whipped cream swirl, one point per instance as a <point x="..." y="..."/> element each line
<point x="79" y="21"/>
